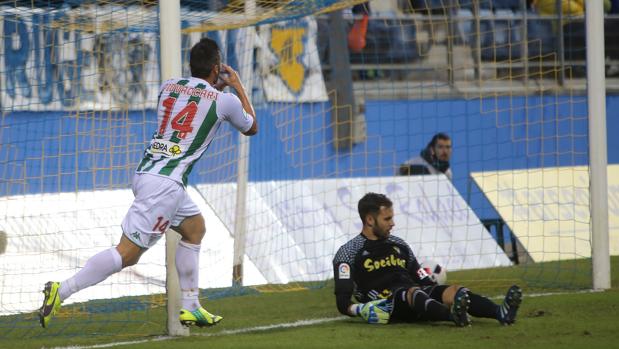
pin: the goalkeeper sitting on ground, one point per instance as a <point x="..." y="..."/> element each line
<point x="385" y="277"/>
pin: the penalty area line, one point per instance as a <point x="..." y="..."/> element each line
<point x="285" y="325"/>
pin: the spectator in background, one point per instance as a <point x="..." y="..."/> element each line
<point x="574" y="30"/>
<point x="358" y="32"/>
<point x="570" y="7"/>
<point x="433" y="159"/>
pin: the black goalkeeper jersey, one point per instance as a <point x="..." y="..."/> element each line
<point x="374" y="269"/>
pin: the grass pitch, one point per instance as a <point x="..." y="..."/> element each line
<point x="576" y="319"/>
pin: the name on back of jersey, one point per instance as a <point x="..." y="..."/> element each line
<point x="166" y="148"/>
<point x="191" y="91"/>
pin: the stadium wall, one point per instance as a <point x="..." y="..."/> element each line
<point x="44" y="153"/>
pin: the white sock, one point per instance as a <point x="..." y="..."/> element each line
<point x="187" y="266"/>
<point x="97" y="269"/>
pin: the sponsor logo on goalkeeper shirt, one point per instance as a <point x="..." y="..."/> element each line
<point x="167" y="148"/>
<point x="344" y="271"/>
<point x="423" y="273"/>
<point x="390" y="261"/>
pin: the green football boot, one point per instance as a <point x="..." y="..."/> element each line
<point x="199" y="317"/>
<point x="51" y="303"/>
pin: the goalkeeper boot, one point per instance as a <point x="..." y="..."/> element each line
<point x="507" y="311"/>
<point x="460" y="307"/>
<point x="51" y="303"/>
<point x="199" y="317"/>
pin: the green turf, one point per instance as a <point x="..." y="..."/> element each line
<point x="574" y="319"/>
<point x="585" y="320"/>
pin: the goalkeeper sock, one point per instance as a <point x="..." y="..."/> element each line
<point x="482" y="306"/>
<point x="97" y="269"/>
<point x="187" y="266"/>
<point x="429" y="308"/>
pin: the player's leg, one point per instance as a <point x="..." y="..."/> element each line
<point x="421" y="302"/>
<point x="98" y="268"/>
<point x="190" y="224"/>
<point x="188" y="260"/>
<point x="455" y="298"/>
<point x="414" y="303"/>
<point x="481" y="306"/>
<point x="511" y="303"/>
<point x="154" y="198"/>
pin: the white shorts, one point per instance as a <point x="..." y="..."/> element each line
<point x="159" y="203"/>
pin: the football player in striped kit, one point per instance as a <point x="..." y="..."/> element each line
<point x="189" y="112"/>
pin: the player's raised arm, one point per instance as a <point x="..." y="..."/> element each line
<point x="230" y="77"/>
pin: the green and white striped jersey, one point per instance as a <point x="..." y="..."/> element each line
<point x="189" y="112"/>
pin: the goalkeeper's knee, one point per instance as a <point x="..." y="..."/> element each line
<point x="375" y="312"/>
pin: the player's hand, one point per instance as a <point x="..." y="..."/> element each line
<point x="375" y="312"/>
<point x="230" y="77"/>
<point x="220" y="85"/>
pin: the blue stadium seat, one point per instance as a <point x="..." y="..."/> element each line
<point x="388" y="41"/>
<point x="541" y="37"/>
<point x="514" y="5"/>
<point x="501" y="37"/>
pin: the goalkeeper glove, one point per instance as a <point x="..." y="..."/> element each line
<point x="375" y="312"/>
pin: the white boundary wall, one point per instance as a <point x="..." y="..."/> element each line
<point x="295" y="227"/>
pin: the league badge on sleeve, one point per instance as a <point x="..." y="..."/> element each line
<point x="344" y="271"/>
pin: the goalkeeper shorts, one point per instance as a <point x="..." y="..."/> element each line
<point x="402" y="312"/>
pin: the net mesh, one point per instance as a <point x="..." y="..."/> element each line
<point x="346" y="101"/>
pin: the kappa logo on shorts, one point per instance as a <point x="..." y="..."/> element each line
<point x="344" y="271"/>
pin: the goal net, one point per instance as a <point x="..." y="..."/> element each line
<point x="348" y="97"/>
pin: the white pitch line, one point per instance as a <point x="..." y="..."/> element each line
<point x="546" y="294"/>
<point x="300" y="323"/>
<point x="116" y="344"/>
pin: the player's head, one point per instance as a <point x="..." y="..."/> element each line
<point x="376" y="212"/>
<point x="205" y="60"/>
<point x="441" y="146"/>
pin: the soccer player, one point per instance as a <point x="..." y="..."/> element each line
<point x="385" y="277"/>
<point x="189" y="112"/>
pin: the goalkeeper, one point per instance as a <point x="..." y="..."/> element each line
<point x="387" y="281"/>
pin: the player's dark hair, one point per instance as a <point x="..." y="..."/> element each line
<point x="204" y="57"/>
<point x="371" y="203"/>
<point x="442" y="136"/>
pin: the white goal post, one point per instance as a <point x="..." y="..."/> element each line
<point x="171" y="66"/>
<point x="598" y="161"/>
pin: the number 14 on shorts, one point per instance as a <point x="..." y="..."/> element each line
<point x="161" y="226"/>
